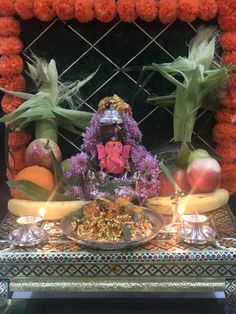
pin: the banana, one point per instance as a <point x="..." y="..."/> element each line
<point x="53" y="210"/>
<point x="192" y="203"/>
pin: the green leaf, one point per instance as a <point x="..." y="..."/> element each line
<point x="126" y="232"/>
<point x="37" y="193"/>
<point x="57" y="170"/>
<point x="182" y="157"/>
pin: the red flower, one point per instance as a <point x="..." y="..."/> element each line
<point x="229" y="58"/>
<point x="9" y="27"/>
<point x="127" y="10"/>
<point x="229" y="100"/>
<point x="11" y="65"/>
<point x="207" y="9"/>
<point x="226" y="115"/>
<point x="105" y="10"/>
<point x="84" y="10"/>
<point x="25" y="9"/>
<point x="228" y="40"/>
<point x="17" y="139"/>
<point x="10" y="45"/>
<point x="228" y="177"/>
<point x="168" y="11"/>
<point x="232" y="81"/>
<point x="226" y="7"/>
<point x="224" y="132"/>
<point x="9" y="103"/>
<point x="7" y="8"/>
<point x="227" y="151"/>
<point x="147" y="10"/>
<point x="188" y="10"/>
<point x="227" y="22"/>
<point x="13" y="82"/>
<point x="64" y="9"/>
<point x="43" y="10"/>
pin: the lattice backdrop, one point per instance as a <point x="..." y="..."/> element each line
<point x="80" y="48"/>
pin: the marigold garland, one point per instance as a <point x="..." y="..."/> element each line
<point x="229" y="58"/>
<point x="11" y="45"/>
<point x="9" y="103"/>
<point x="227" y="22"/>
<point x="11" y="65"/>
<point x="25" y="9"/>
<point x="16" y="158"/>
<point x="224" y="132"/>
<point x="9" y="27"/>
<point x="17" y="139"/>
<point x="227" y="151"/>
<point x="43" y="10"/>
<point x="228" y="40"/>
<point x="105" y="10"/>
<point x="84" y="12"/>
<point x="127" y="10"/>
<point x="64" y="9"/>
<point x="232" y="82"/>
<point x="207" y="9"/>
<point x="7" y="8"/>
<point x="226" y="7"/>
<point x="229" y="99"/>
<point x="228" y="177"/>
<point x="227" y="115"/>
<point x="147" y="10"/>
<point x="168" y="11"/>
<point x="188" y="10"/>
<point x="13" y="82"/>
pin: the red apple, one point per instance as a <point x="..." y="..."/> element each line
<point x="166" y="188"/>
<point x="38" y="153"/>
<point x="203" y="175"/>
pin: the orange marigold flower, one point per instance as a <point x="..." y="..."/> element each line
<point x="9" y="27"/>
<point x="9" y="103"/>
<point x="25" y="9"/>
<point x="11" y="65"/>
<point x="7" y="8"/>
<point x="10" y="45"/>
<point x="147" y="10"/>
<point x="226" y="7"/>
<point x="232" y="81"/>
<point x="224" y="132"/>
<point x="229" y="58"/>
<point x="105" y="10"/>
<point x="227" y="22"/>
<point x="43" y="10"/>
<point x="188" y="10"/>
<point x="127" y="10"/>
<point x="228" y="177"/>
<point x="168" y="11"/>
<point x="226" y="115"/>
<point x="17" y="139"/>
<point x="84" y="12"/>
<point x="229" y="99"/>
<point x="207" y="9"/>
<point x="228" y="40"/>
<point x="227" y="151"/>
<point x="16" y="158"/>
<point x="64" y="9"/>
<point x="13" y="82"/>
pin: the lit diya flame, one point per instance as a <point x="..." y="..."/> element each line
<point x="42" y="212"/>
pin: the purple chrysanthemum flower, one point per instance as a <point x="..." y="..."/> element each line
<point x="78" y="165"/>
<point x="92" y="135"/>
<point x="138" y="153"/>
<point x="133" y="134"/>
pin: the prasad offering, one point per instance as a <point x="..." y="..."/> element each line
<point x="109" y="224"/>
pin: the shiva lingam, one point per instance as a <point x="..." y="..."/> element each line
<point x="195" y="230"/>
<point x="29" y="233"/>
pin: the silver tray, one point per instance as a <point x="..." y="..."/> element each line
<point x="155" y="219"/>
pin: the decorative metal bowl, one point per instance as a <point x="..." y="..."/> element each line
<point x="155" y="219"/>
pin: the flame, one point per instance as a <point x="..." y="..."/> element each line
<point x="180" y="209"/>
<point x="42" y="211"/>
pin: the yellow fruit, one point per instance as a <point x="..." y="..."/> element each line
<point x="193" y="203"/>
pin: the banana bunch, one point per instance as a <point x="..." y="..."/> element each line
<point x="193" y="203"/>
<point x="54" y="210"/>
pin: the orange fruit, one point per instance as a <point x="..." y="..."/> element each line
<point x="38" y="175"/>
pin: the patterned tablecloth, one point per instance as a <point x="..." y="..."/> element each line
<point x="163" y="264"/>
